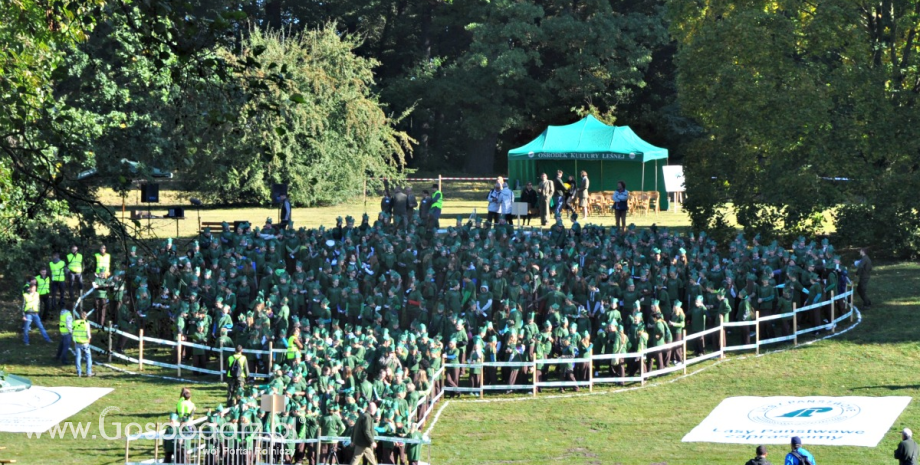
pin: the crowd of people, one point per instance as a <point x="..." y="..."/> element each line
<point x="369" y="311"/>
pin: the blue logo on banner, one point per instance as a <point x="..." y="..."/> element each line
<point x="801" y="412"/>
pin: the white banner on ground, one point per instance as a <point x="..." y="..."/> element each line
<point x="827" y="421"/>
<point x="37" y="409"/>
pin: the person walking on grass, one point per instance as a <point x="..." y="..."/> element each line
<point x="798" y="455"/>
<point x="31" y="306"/>
<point x="863" y="270"/>
<point x="761" y="458"/>
<point x="906" y="453"/>
<point x="82" y="336"/>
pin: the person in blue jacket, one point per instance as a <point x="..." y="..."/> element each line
<point x="798" y="455"/>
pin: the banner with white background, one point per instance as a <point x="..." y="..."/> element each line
<point x="827" y="421"/>
<point x="37" y="409"/>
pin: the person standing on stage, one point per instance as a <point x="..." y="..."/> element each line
<point x="546" y="189"/>
<point x="582" y="193"/>
<point x="621" y="205"/>
<point x="529" y="196"/>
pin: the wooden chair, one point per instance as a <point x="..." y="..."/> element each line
<point x="642" y="201"/>
<point x="597" y="204"/>
<point x="654" y="197"/>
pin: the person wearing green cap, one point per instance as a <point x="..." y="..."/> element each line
<point x="199" y="351"/>
<point x="331" y="425"/>
<point x="658" y="336"/>
<point x="171" y="442"/>
<point x="237" y="373"/>
<point x="815" y="296"/>
<point x="491" y="355"/>
<point x="722" y="312"/>
<point x="698" y="323"/>
<point x="745" y="313"/>
<point x="676" y="324"/>
<point x="475" y="358"/>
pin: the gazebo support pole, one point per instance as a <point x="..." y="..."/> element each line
<point x="643" y="175"/>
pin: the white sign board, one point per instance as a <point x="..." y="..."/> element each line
<point x="673" y="178"/>
<point x="519" y="208"/>
<point x="826" y="421"/>
<point x="37" y="409"/>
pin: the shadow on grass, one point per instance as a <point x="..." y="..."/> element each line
<point x="889" y="387"/>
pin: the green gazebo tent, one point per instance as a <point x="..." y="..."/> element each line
<point x="608" y="153"/>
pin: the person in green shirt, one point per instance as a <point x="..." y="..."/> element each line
<point x="331" y="425"/>
<point x="677" y="324"/>
<point x="476" y="357"/>
<point x="200" y="354"/>
<point x="720" y="315"/>
<point x="658" y="336"/>
<point x="698" y="323"/>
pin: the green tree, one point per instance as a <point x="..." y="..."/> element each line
<point x="324" y="133"/>
<point x="793" y="95"/>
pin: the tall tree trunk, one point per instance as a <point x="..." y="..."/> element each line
<point x="273" y="14"/>
<point x="480" y="154"/>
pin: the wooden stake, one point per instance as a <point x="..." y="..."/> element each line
<point x="110" y="340"/>
<point x="833" y="305"/>
<point x="721" y="337"/>
<point x="851" y="300"/>
<point x="140" y="347"/>
<point x="221" y="366"/>
<point x="534" y="375"/>
<point x="642" y="368"/>
<point x="756" y="332"/>
<point x="590" y="373"/>
<point x="795" y="326"/>
<point x="684" y="355"/>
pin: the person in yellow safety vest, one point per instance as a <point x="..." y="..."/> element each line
<point x="294" y="346"/>
<point x="103" y="260"/>
<point x="437" y="202"/>
<point x="58" y="278"/>
<point x="82" y="336"/>
<point x="66" y="327"/>
<point x="31" y="305"/>
<point x="44" y="291"/>
<point x="237" y="372"/>
<point x="74" y="271"/>
<point x="185" y="408"/>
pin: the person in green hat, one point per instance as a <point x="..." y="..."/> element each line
<point x="331" y="425"/>
<point x="171" y="442"/>
<point x="677" y="324"/>
<point x="698" y="323"/>
<point x="659" y="335"/>
<point x="452" y="374"/>
<point x="475" y="358"/>
<point x="199" y="350"/>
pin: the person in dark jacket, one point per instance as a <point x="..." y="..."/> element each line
<point x="863" y="269"/>
<point x="907" y="452"/>
<point x="362" y="437"/>
<point x="400" y="209"/>
<point x="529" y="195"/>
<point x="761" y="458"/>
